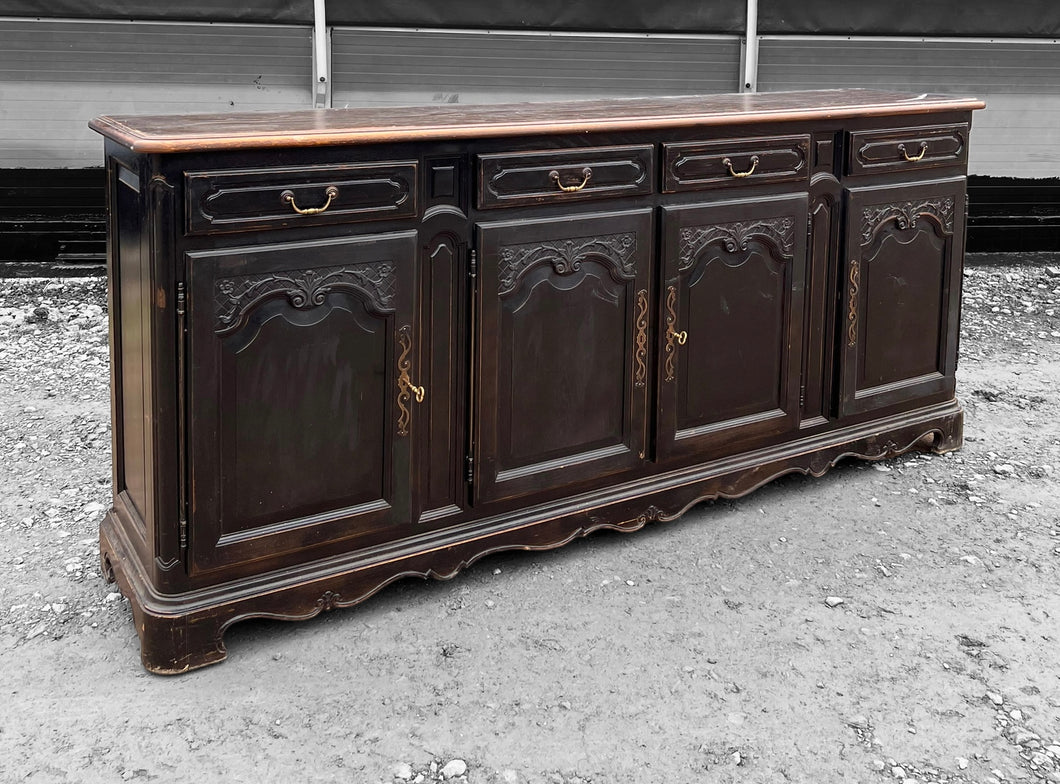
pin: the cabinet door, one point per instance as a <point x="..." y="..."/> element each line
<point x="300" y="394"/>
<point x="902" y="292"/>
<point x="730" y="324"/>
<point x="562" y="330"/>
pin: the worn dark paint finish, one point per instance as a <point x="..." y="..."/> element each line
<point x="539" y="178"/>
<point x="556" y="345"/>
<point x="131" y="272"/>
<point x="294" y="392"/>
<point x="267" y="372"/>
<point x="441" y="445"/>
<point x="735" y="164"/>
<point x="905" y="149"/>
<point x="902" y="294"/>
<point x="737" y="271"/>
<point x="256" y="198"/>
<point x="819" y="337"/>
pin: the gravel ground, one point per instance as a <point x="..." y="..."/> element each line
<point x="889" y="622"/>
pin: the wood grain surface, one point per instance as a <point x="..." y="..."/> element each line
<point x="315" y="127"/>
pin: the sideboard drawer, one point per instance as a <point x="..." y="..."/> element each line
<point x="693" y="166"/>
<point x="240" y="200"/>
<point x="560" y="176"/>
<point x="902" y="149"/>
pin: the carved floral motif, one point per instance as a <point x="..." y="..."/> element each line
<point x="778" y="234"/>
<point x="650" y="515"/>
<point x="906" y="214"/>
<point x="304" y="289"/>
<point x="329" y="601"/>
<point x="567" y="256"/>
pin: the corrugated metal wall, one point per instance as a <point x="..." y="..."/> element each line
<point x="1017" y="135"/>
<point x="402" y="67"/>
<point x="56" y="75"/>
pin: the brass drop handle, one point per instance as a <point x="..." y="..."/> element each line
<point x="728" y="162"/>
<point x="419" y="392"/>
<point x="587" y="175"/>
<point x="680" y="337"/>
<point x="913" y="158"/>
<point x="288" y="196"/>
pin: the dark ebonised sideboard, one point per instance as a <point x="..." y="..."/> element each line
<point x="350" y="346"/>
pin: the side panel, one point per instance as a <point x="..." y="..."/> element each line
<point x="130" y="278"/>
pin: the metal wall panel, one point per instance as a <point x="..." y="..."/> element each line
<point x="56" y="76"/>
<point x="414" y="67"/>
<point x="1017" y="135"/>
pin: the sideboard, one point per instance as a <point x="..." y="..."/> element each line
<point x="351" y="346"/>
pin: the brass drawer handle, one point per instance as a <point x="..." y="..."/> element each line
<point x="748" y="173"/>
<point x="332" y="193"/>
<point x="587" y="174"/>
<point x="913" y="158"/>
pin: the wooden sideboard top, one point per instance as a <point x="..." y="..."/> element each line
<point x="315" y="127"/>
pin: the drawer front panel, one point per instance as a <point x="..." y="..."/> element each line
<point x="560" y="176"/>
<point x="230" y="201"/>
<point x="903" y="149"/>
<point x="693" y="166"/>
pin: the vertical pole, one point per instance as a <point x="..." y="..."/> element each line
<point x="321" y="58"/>
<point x="749" y="83"/>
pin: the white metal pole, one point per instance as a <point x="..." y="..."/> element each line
<point x="749" y="84"/>
<point x="321" y="58"/>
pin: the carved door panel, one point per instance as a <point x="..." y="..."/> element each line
<point x="902" y="281"/>
<point x="562" y="330"/>
<point x="730" y="324"/>
<point x="301" y="393"/>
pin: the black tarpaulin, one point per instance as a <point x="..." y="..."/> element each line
<point x="928" y="18"/>
<point x="259" y="11"/>
<point x="674" y="16"/>
<point x="671" y="16"/>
